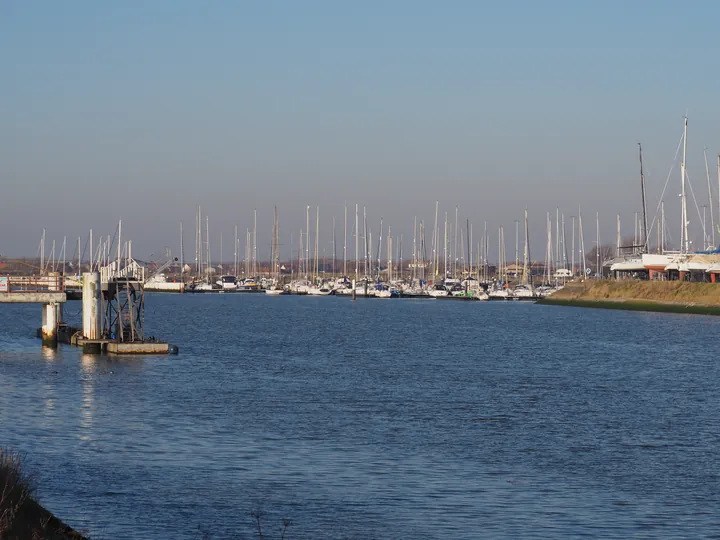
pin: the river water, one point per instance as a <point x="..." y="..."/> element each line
<point x="374" y="419"/>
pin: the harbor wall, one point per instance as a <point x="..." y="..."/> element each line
<point x="666" y="296"/>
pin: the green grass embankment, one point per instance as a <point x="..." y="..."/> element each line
<point x="666" y="296"/>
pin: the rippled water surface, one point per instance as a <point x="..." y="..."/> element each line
<point x="374" y="419"/>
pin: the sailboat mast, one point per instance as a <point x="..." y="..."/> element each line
<point x="414" y="263"/>
<point x="455" y="247"/>
<point x="684" y="240"/>
<point x="644" y="205"/>
<point x="710" y="197"/>
<point x="597" y="243"/>
<point x="572" y="247"/>
<point x="307" y="239"/>
<point x="468" y="231"/>
<point x="345" y="244"/>
<point x="254" y="253"/>
<point x="445" y="244"/>
<point x="182" y="248"/>
<point x="662" y="221"/>
<point x="526" y="254"/>
<point x="357" y="254"/>
<point x="207" y="247"/>
<point x="317" y="230"/>
<point x="435" y="241"/>
<point x="235" y="255"/>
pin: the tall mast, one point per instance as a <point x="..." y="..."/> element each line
<point x="198" y="244"/>
<point x="445" y="243"/>
<point x="517" y="246"/>
<point x="486" y="242"/>
<point x="526" y="254"/>
<point x="455" y="254"/>
<point x="422" y="250"/>
<point x="317" y="230"/>
<point x="413" y="274"/>
<point x="367" y="240"/>
<point x="276" y="254"/>
<point x="583" y="262"/>
<point x="334" y="248"/>
<point x="207" y="247"/>
<point x="662" y="221"/>
<point x="307" y="240"/>
<point x="356" y="244"/>
<point x="468" y="230"/>
<point x="345" y="244"/>
<point x="710" y="196"/>
<point x="557" y="237"/>
<point x="235" y="253"/>
<point x="436" y="242"/>
<point x="597" y="243"/>
<point x="644" y="206"/>
<point x="379" y="249"/>
<point x="572" y="246"/>
<point x="684" y="239"/>
<point x="254" y="253"/>
<point x="182" y="248"/>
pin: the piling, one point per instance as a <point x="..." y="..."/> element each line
<point x="91" y="305"/>
<point x="49" y="324"/>
<point x="354" y="290"/>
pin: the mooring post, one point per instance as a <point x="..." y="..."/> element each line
<point x="354" y="291"/>
<point x="49" y="324"/>
<point x="90" y="305"/>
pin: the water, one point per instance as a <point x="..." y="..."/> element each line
<point x="374" y="419"/>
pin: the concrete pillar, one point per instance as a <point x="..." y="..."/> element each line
<point x="49" y="324"/>
<point x="91" y="305"/>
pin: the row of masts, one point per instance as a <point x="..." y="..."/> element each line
<point x="451" y="251"/>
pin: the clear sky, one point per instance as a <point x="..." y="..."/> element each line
<point x="143" y="110"/>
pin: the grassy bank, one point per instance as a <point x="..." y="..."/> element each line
<point x="21" y="517"/>
<point x="664" y="296"/>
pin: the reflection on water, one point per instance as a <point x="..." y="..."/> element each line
<point x="375" y="420"/>
<point x="89" y="369"/>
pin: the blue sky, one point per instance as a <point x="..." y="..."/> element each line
<point x="143" y="110"/>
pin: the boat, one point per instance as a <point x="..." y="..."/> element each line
<point x="437" y="291"/>
<point x="227" y="283"/>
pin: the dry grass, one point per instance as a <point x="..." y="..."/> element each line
<point x="665" y="292"/>
<point x="21" y="517"/>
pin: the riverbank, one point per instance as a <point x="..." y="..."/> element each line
<point x="663" y="296"/>
<point x="21" y="516"/>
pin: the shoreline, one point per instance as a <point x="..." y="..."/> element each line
<point x="651" y="296"/>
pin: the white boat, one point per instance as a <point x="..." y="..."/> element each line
<point x="274" y="292"/>
<point x="523" y="291"/>
<point x="499" y="294"/>
<point x="204" y="287"/>
<point x="322" y="290"/>
<point x="383" y="293"/>
<point x="481" y="295"/>
<point x="159" y="282"/>
<point x="437" y="291"/>
<point x="300" y="286"/>
<point x="227" y="283"/>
